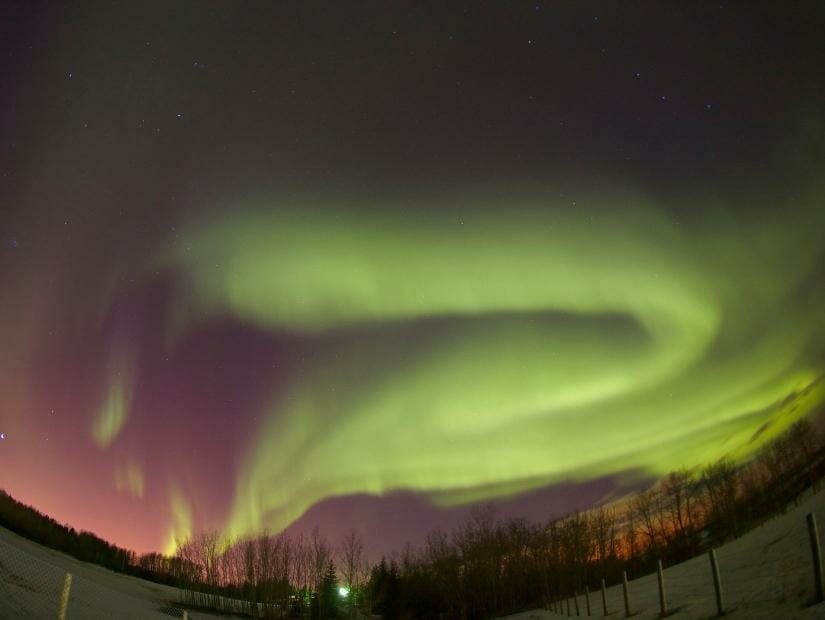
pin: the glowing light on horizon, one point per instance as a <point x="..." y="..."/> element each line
<point x="181" y="528"/>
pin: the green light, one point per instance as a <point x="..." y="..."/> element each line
<point x="491" y="351"/>
<point x="114" y="412"/>
<point x="343" y="591"/>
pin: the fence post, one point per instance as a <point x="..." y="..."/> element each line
<point x="662" y="598"/>
<point x="604" y="599"/>
<point x="717" y="583"/>
<point x="813" y="533"/>
<point x="567" y="600"/>
<point x="63" y="606"/>
<point x="626" y="594"/>
<point x="587" y="598"/>
<point x="576" y="601"/>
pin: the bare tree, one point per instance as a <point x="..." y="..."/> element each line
<point x="721" y="483"/>
<point x="320" y="556"/>
<point x="603" y="528"/>
<point x="353" y="566"/>
<point x="645" y="507"/>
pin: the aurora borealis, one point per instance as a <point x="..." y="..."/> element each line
<point x="521" y="340"/>
<point x="261" y="270"/>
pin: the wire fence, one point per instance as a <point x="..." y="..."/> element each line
<point x="771" y="568"/>
<point x="774" y="566"/>
<point x="31" y="587"/>
<point x="34" y="588"/>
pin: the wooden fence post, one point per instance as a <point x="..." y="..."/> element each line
<point x="717" y="583"/>
<point x="626" y="594"/>
<point x="604" y="599"/>
<point x="813" y="533"/>
<point x="587" y="598"/>
<point x="576" y="601"/>
<point x="63" y="606"/>
<point x="567" y="600"/>
<point x="662" y="598"/>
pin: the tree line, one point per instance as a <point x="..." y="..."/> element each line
<point x="34" y="525"/>
<point x="491" y="567"/>
<point x="484" y="568"/>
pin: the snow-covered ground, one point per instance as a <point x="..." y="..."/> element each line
<point x="31" y="579"/>
<point x="767" y="573"/>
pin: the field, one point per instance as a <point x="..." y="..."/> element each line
<point x="32" y="576"/>
<point x="767" y="573"/>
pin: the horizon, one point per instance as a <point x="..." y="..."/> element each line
<point x="270" y="268"/>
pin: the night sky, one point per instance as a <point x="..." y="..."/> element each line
<point x="368" y="264"/>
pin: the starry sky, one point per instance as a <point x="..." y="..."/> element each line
<point x="368" y="264"/>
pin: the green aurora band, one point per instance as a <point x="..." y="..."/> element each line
<point x="474" y="353"/>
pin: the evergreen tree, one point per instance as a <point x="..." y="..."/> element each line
<point x="327" y="601"/>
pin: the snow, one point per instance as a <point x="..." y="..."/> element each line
<point x="31" y="579"/>
<point x="767" y="573"/>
